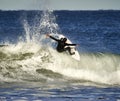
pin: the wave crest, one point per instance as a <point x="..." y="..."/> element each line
<point x="40" y="62"/>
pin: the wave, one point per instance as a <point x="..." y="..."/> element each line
<point x="35" y="62"/>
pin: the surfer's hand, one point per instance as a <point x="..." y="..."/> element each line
<point x="47" y="35"/>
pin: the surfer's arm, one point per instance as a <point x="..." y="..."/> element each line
<point x="52" y="37"/>
<point x="71" y="44"/>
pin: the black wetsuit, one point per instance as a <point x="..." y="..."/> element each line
<point x="61" y="45"/>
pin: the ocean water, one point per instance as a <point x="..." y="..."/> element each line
<point x="32" y="70"/>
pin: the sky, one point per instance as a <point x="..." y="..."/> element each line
<point x="59" y="4"/>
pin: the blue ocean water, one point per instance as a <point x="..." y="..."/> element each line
<point x="32" y="70"/>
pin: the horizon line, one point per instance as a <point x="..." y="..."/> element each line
<point x="59" y="10"/>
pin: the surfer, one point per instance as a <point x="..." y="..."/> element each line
<point x="61" y="47"/>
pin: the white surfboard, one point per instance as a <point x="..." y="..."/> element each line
<point x="73" y="48"/>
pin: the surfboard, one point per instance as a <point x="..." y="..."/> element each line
<point x="75" y="56"/>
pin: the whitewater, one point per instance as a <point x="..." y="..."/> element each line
<point x="24" y="59"/>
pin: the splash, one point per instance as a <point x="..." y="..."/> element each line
<point x="43" y="23"/>
<point x="48" y="22"/>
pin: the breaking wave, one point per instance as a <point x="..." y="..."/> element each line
<point x="35" y="60"/>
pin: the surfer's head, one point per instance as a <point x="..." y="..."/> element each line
<point x="64" y="39"/>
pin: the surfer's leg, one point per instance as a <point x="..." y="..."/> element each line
<point x="69" y="50"/>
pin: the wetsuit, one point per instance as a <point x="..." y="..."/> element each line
<point x="61" y="45"/>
